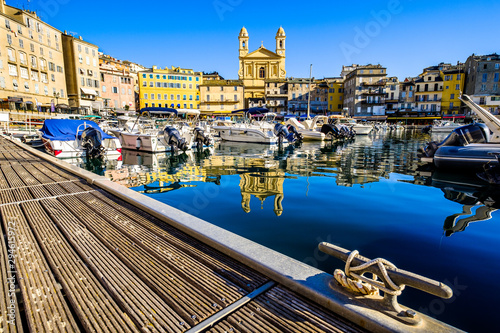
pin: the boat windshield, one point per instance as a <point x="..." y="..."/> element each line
<point x="465" y="135"/>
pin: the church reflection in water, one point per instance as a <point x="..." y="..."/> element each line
<point x="262" y="185"/>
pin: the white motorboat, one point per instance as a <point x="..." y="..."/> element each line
<point x="256" y="132"/>
<point x="67" y="138"/>
<point x="360" y="129"/>
<point x="147" y="137"/>
<point x="444" y="126"/>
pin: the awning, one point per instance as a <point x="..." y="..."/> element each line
<point x="87" y="91"/>
<point x="62" y="106"/>
<point x="15" y="99"/>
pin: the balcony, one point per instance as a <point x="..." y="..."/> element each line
<point x="373" y="93"/>
<point x="379" y="102"/>
<point x="373" y="84"/>
<point x="216" y="101"/>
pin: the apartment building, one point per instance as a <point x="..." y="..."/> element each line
<point x="482" y="74"/>
<point x="170" y="87"/>
<point x="364" y="90"/>
<point x="81" y="60"/>
<point x="32" y="70"/>
<point x="221" y="96"/>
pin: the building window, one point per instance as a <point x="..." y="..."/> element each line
<point x="452" y="96"/>
<point x="262" y="73"/>
<point x="145" y="96"/>
<point x="178" y="97"/>
<point x="172" y="97"/>
<point x="485" y="77"/>
<point x="159" y="96"/>
<point x="495" y="87"/>
<point x="123" y="91"/>
<point x="152" y="96"/>
<point x="235" y="98"/>
<point x="130" y="91"/>
<point x="495" y="77"/>
<point x="12" y="70"/>
<point x="457" y="87"/>
<point x="151" y="84"/>
<point x="104" y="88"/>
<point x="483" y="88"/>
<point x="183" y="97"/>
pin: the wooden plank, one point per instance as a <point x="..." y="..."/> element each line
<point x="10" y="317"/>
<point x="281" y="310"/>
<point x="45" y="307"/>
<point x="121" y="282"/>
<point x="184" y="294"/>
<point x="95" y="308"/>
<point x="245" y="277"/>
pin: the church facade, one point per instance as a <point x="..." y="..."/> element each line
<point x="260" y="65"/>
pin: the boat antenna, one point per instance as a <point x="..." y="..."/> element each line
<point x="309" y="94"/>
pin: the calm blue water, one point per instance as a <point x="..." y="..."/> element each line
<point x="367" y="195"/>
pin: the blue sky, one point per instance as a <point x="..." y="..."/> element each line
<point x="405" y="36"/>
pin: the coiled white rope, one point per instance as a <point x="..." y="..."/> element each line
<point x="361" y="284"/>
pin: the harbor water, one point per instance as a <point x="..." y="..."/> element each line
<point x="368" y="194"/>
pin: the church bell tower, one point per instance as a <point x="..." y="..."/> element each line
<point x="280" y="42"/>
<point x="243" y="38"/>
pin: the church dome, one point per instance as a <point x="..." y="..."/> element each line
<point x="281" y="32"/>
<point x="243" y="32"/>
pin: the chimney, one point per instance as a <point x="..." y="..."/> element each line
<point x="80" y="37"/>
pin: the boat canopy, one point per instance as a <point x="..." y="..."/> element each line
<point x="157" y="110"/>
<point x="65" y="129"/>
<point x="288" y="116"/>
<point x="252" y="111"/>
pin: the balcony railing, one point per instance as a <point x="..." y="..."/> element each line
<point x="372" y="93"/>
<point x="373" y="84"/>
<point x="216" y="101"/>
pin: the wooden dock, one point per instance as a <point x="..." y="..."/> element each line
<point x="75" y="257"/>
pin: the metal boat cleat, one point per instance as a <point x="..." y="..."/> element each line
<point x="391" y="281"/>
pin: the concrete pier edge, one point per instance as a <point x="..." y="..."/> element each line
<point x="305" y="280"/>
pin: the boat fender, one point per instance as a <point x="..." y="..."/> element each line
<point x="138" y="143"/>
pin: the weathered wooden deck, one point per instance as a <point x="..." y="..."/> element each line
<point x="77" y="258"/>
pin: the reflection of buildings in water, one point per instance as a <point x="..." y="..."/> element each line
<point x="163" y="168"/>
<point x="478" y="199"/>
<point x="262" y="185"/>
<point x="484" y="202"/>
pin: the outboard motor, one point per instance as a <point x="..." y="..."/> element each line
<point x="201" y="138"/>
<point x="345" y="131"/>
<point x="461" y="136"/>
<point x="173" y="139"/>
<point x="92" y="142"/>
<point x="294" y="131"/>
<point x="427" y="129"/>
<point x="330" y="131"/>
<point x="281" y="132"/>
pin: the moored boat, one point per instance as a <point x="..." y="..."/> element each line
<point x="67" y="138"/>
<point x="468" y="147"/>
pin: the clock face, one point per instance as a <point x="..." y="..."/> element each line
<point x="280" y="52"/>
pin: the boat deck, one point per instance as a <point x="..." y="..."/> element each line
<point x="75" y="257"/>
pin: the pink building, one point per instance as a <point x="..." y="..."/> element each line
<point x="117" y="85"/>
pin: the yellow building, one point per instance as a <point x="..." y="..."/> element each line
<point x="174" y="88"/>
<point x="221" y="96"/>
<point x="453" y="85"/>
<point x="260" y="65"/>
<point x="81" y="60"/>
<point x="335" y="94"/>
<point x="31" y="62"/>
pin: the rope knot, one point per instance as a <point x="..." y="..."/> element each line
<point x="361" y="284"/>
